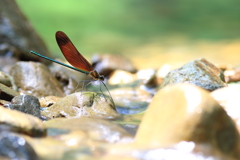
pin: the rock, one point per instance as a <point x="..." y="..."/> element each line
<point x="35" y="79"/>
<point x="131" y="100"/>
<point x="68" y="78"/>
<point x="198" y="72"/>
<point x="228" y="98"/>
<point x="15" y="147"/>
<point x="162" y="72"/>
<point x="79" y="104"/>
<point x="6" y="62"/>
<point x="16" y="41"/>
<point x="3" y="102"/>
<point x="146" y="77"/>
<point x="122" y="77"/>
<point x="180" y="151"/>
<point x="4" y="79"/>
<point x="149" y="80"/>
<point x="26" y="104"/>
<point x="19" y="122"/>
<point x="232" y="75"/>
<point x="106" y="64"/>
<point x="129" y="122"/>
<point x="7" y="93"/>
<point x="95" y="129"/>
<point x="185" y="112"/>
<point x="48" y="101"/>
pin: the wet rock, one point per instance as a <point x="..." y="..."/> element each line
<point x="131" y="100"/>
<point x="15" y="147"/>
<point x="16" y="41"/>
<point x="26" y="104"/>
<point x="185" y="112"/>
<point x="198" y="72"/>
<point x="35" y="79"/>
<point x="7" y="93"/>
<point x="79" y="104"/>
<point x="106" y="64"/>
<point x="95" y="129"/>
<point x="48" y="101"/>
<point x="228" y="98"/>
<point x="19" y="122"/>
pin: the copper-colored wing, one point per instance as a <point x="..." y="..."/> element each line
<point x="71" y="53"/>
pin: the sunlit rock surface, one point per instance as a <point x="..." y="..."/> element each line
<point x="48" y="101"/>
<point x="198" y="72"/>
<point x="185" y="112"/>
<point x="228" y="98"/>
<point x="12" y="120"/>
<point x="35" y="79"/>
<point x="79" y="104"/>
<point x="122" y="77"/>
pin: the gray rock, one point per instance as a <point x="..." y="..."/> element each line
<point x="17" y="35"/>
<point x="15" y="147"/>
<point x="198" y="72"/>
<point x="26" y="104"/>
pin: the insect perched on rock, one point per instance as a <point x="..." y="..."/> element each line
<point x="78" y="62"/>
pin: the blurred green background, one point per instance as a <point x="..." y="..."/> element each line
<point x="115" y="26"/>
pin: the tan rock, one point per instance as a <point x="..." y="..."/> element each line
<point x="185" y="112"/>
<point x="35" y="79"/>
<point x="48" y="101"/>
<point x="22" y="123"/>
<point x="229" y="99"/>
<point x="79" y="104"/>
<point x="92" y="128"/>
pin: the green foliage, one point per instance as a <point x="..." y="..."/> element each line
<point x="112" y="26"/>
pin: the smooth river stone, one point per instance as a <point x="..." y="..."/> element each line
<point x="185" y="112"/>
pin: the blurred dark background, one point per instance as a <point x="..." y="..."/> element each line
<point x="126" y="26"/>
